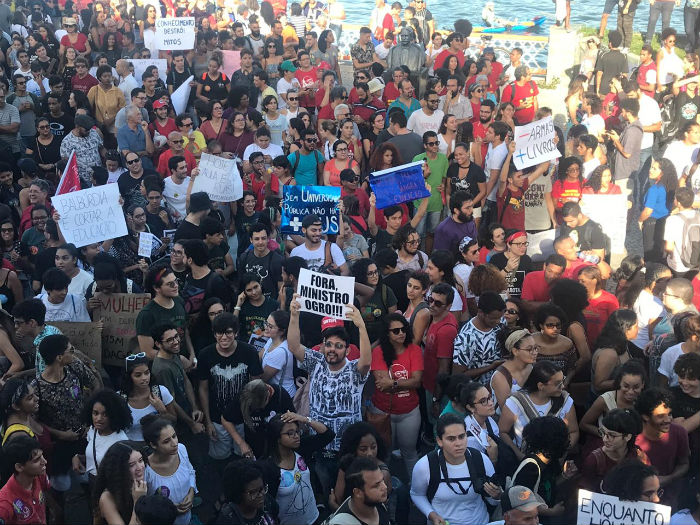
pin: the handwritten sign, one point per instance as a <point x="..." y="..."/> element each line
<point x="232" y="62"/>
<point x="148" y="243"/>
<point x="175" y="33"/>
<point x="119" y="312"/>
<point x="601" y="509"/>
<point x="181" y="96"/>
<point x="324" y="294"/>
<point x="91" y="215"/>
<point x="86" y="337"/>
<point x="140" y="65"/>
<point x="300" y="201"/>
<point x="610" y="211"/>
<point x="400" y="184"/>
<point x="534" y="143"/>
<point x="219" y="178"/>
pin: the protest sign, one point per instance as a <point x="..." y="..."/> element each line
<point x="119" y="312"/>
<point x="86" y="337"/>
<point x="219" y="178"/>
<point x="258" y="341"/>
<point x="232" y="62"/>
<point x="400" y="184"/>
<point x="534" y="143"/>
<point x="148" y="243"/>
<point x="324" y="294"/>
<point x="181" y="96"/>
<point x="300" y="201"/>
<point x="601" y="509"/>
<point x="175" y="33"/>
<point x="541" y="244"/>
<point x="91" y="215"/>
<point x="610" y="211"/>
<point x="140" y="65"/>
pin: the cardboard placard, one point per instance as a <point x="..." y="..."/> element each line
<point x="219" y="178"/>
<point x="232" y="62"/>
<point x="140" y="65"/>
<point x="534" y="143"/>
<point x="91" y="215"/>
<point x="610" y="211"/>
<point x="324" y="294"/>
<point x="181" y="96"/>
<point x="601" y="509"/>
<point x="86" y="337"/>
<point x="175" y="33"/>
<point x="119" y="312"/>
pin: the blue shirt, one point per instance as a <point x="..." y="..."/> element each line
<point x="415" y="105"/>
<point x="305" y="173"/>
<point x="134" y="141"/>
<point x="656" y="200"/>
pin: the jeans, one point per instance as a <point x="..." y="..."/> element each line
<point x="624" y="26"/>
<point x="690" y="22"/>
<point x="404" y="433"/>
<point x="326" y="468"/>
<point x="663" y="8"/>
<point x="642" y="177"/>
<point x="652" y="238"/>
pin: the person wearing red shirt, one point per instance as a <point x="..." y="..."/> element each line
<point x="366" y="105"/>
<point x="536" y="284"/>
<point x="23" y="498"/>
<point x="397" y="368"/>
<point x="455" y="46"/>
<point x="523" y="95"/>
<point x="600" y="302"/>
<point x="569" y="186"/>
<point x="439" y="345"/>
<point x="176" y="147"/>
<point x="646" y="74"/>
<point x="307" y="75"/>
<point x="480" y="123"/>
<point x="496" y="67"/>
<point x="82" y="80"/>
<point x="566" y="247"/>
<point x="348" y="182"/>
<point x="163" y="124"/>
<point x="260" y="181"/>
<point x="392" y="89"/>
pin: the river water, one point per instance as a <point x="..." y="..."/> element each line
<point x="585" y="12"/>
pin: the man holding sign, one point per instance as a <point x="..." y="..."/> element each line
<point x="335" y="384"/>
<point x="317" y="252"/>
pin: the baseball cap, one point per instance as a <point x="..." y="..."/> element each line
<point x="324" y="65"/>
<point x="376" y="84"/>
<point x="331" y="322"/>
<point x="159" y="104"/>
<point x="288" y="65"/>
<point x="488" y="49"/>
<point x="521" y="498"/>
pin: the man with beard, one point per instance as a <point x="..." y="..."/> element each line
<point x="129" y="182"/>
<point x="87" y="144"/>
<point x="260" y="181"/>
<point x="457" y="226"/>
<point x="454" y="103"/>
<point x="664" y="442"/>
<point x="366" y="106"/>
<point x="368" y="494"/>
<point x="435" y="172"/>
<point x="255" y="40"/>
<point x="335" y="384"/>
<point x="314" y="250"/>
<point x="479" y="126"/>
<point x="406" y="242"/>
<point x="176" y="147"/>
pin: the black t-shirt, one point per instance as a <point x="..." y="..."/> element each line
<point x="381" y="509"/>
<point x="61" y="126"/>
<point x="214" y="89"/>
<point x="685" y="406"/>
<point x="611" y="64"/>
<point x="253" y="317"/>
<point x="155" y="223"/>
<point x="589" y="236"/>
<point x="268" y="268"/>
<point x="513" y="279"/>
<point x="382" y="240"/>
<point x="243" y="224"/>
<point x="176" y="79"/>
<point x="686" y="108"/>
<point x="397" y="282"/>
<point x="43" y="261"/>
<point x="227" y="375"/>
<point x="196" y="291"/>
<point x="256" y="435"/>
<point x="130" y="188"/>
<point x="469" y="183"/>
<point x="187" y="230"/>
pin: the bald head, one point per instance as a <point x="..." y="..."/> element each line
<point x="176" y="141"/>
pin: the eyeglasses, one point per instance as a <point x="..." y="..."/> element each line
<point x="292" y="433"/>
<point x="331" y="344"/>
<point x="344" y="97"/>
<point x="313" y="141"/>
<point x="604" y="432"/>
<point x="341" y="150"/>
<point x="256" y="492"/>
<point x="484" y="401"/>
<point x="181" y="141"/>
<point x="400" y="330"/>
<point x="552" y="325"/>
<point x="271" y="45"/>
<point x="512" y="311"/>
<point x="438" y="304"/>
<point x="45" y="126"/>
<point x="270" y="326"/>
<point x="133" y="161"/>
<point x="650" y="493"/>
<point x="432" y="143"/>
<point x="228" y="333"/>
<point x="665" y="294"/>
<point x="170" y="284"/>
<point x="258" y="162"/>
<point x="171" y="340"/>
<point x="560" y="383"/>
<point x="414" y="242"/>
<point x="372" y="273"/>
<point x="532" y="349"/>
<point x="7" y="230"/>
<point x="526" y="243"/>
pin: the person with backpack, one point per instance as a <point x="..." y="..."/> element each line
<point x="307" y="162"/>
<point x="453" y="483"/>
<point x="364" y="481"/>
<point x="523" y="95"/>
<point x="542" y="394"/>
<point x="682" y="235"/>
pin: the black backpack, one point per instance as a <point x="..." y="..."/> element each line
<point x="438" y="473"/>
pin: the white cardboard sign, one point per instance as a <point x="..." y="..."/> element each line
<point x="219" y="178"/>
<point x="140" y="65"/>
<point x="324" y="294"/>
<point x="601" y="509"/>
<point x="181" y="95"/>
<point x="534" y="143"/>
<point x="175" y="33"/>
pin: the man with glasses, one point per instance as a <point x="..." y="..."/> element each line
<point x="138" y="100"/>
<point x="435" y="172"/>
<point x="87" y="144"/>
<point x="477" y="350"/>
<point x="28" y="106"/>
<point x="307" y="162"/>
<point x="406" y="101"/>
<point x="134" y="137"/>
<point x="82" y="80"/>
<point x="262" y="145"/>
<point x="129" y="182"/>
<point x="224" y="368"/>
<point x="406" y="242"/>
<point x="176" y="147"/>
<point x="195" y="142"/>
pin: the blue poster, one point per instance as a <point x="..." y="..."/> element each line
<point x="400" y="184"/>
<point x="300" y="201"/>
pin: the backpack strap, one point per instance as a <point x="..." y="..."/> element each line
<point x="363" y="230"/>
<point x="434" y="472"/>
<point x="525" y="404"/>
<point x="420" y="259"/>
<point x="297" y="159"/>
<point x="522" y="465"/>
<point x="328" y="256"/>
<point x="477" y="470"/>
<point x="506" y="373"/>
<point x="557" y="403"/>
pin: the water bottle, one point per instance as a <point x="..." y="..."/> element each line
<point x="589" y="257"/>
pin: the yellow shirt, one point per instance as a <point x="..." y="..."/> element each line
<point x="106" y="103"/>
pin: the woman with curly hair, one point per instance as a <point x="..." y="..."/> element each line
<point x="120" y="482"/>
<point x="572" y="298"/>
<point x="397" y="368"/>
<point x="486" y="278"/>
<point x="553" y="346"/>
<point x="632" y="480"/>
<point x="108" y="417"/>
<point x="658" y="203"/>
<point x="612" y="349"/>
<point x="601" y="182"/>
<point x="569" y="184"/>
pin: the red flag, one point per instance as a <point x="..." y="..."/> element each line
<point x="70" y="181"/>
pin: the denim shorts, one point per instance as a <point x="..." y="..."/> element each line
<point x="610" y="5"/>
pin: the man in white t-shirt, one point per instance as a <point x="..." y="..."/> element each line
<point x="263" y="145"/>
<point x="680" y="152"/>
<point x="675" y="227"/>
<point x="287" y="82"/>
<point x="495" y="156"/>
<point x="429" y="117"/>
<point x="175" y="192"/>
<point x="313" y="251"/>
<point x="587" y="145"/>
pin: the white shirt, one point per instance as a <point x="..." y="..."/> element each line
<point x="315" y="258"/>
<point x="33" y="87"/>
<point x="102" y="443"/>
<point x="673" y="231"/>
<point x="273" y="150"/>
<point x="680" y="155"/>
<point x="494" y="161"/>
<point x="73" y="309"/>
<point x="589" y="166"/>
<point x="594" y="124"/>
<point x="419" y="122"/>
<point x="113" y="176"/>
<point x="381" y="50"/>
<point x="80" y="283"/>
<point x="463" y="271"/>
<point x="477" y="437"/>
<point x="134" y="432"/>
<point x="461" y="109"/>
<point x="127" y="84"/>
<point x="668" y="359"/>
<point x="647" y="306"/>
<point x="521" y="421"/>
<point x="283" y="87"/>
<point x="175" y="195"/>
<point x="649" y="114"/>
<point x="281" y="359"/>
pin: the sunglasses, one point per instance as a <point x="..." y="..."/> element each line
<point x="133" y="161"/>
<point x="134" y="357"/>
<point x="438" y="304"/>
<point x="397" y="331"/>
<point x="432" y="143"/>
<point x="177" y="141"/>
<point x="188" y="125"/>
<point x="512" y="311"/>
<point x="292" y="99"/>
